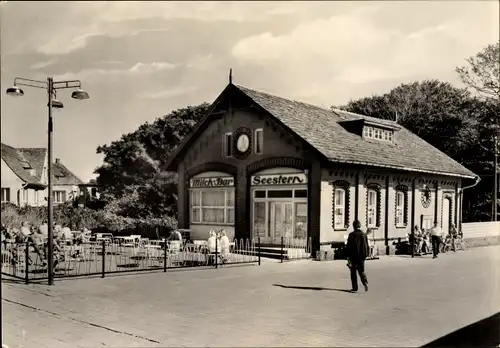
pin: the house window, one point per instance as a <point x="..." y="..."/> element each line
<point x="228" y="144"/>
<point x="259" y="141"/>
<point x="25" y="196"/>
<point x="401" y="206"/>
<point x="59" y="196"/>
<point x="372" y="207"/>
<point x="340" y="205"/>
<point x="212" y="206"/>
<point x="400" y="202"/>
<point x="339" y="208"/>
<point x="5" y="194"/>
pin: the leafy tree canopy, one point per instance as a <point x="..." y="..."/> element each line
<point x="131" y="179"/>
<point x="483" y="72"/>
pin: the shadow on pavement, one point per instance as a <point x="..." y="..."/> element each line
<point x="309" y="288"/>
<point x="484" y="333"/>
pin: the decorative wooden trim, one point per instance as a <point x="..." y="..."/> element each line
<point x="449" y="196"/>
<point x="376" y="188"/>
<point x="272" y="162"/>
<point x="346" y="187"/>
<point x="404" y="190"/>
<point x="212" y="167"/>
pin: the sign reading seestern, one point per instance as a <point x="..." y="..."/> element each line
<point x="279" y="179"/>
<point x="211" y="182"/>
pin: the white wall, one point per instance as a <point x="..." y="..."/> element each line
<point x="10" y="180"/>
<point x="481" y="229"/>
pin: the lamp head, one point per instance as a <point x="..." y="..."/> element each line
<point x="15" y="91"/>
<point x="56" y="104"/>
<point x="80" y="94"/>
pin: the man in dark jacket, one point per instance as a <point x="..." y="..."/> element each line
<point x="357" y="252"/>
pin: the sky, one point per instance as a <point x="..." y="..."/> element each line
<point x="141" y="60"/>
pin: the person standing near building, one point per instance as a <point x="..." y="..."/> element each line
<point x="357" y="252"/>
<point x="436" y="233"/>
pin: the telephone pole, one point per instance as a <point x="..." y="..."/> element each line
<point x="495" y="180"/>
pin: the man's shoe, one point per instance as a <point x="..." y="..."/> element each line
<point x="366" y="287"/>
<point x="353" y="290"/>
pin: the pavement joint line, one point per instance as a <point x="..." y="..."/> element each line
<point x="79" y="321"/>
<point x="32" y="290"/>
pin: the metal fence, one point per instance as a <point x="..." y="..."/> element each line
<point x="295" y="249"/>
<point x="27" y="260"/>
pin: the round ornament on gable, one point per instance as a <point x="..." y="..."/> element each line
<point x="242" y="143"/>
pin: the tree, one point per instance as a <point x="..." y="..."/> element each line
<point x="131" y="179"/>
<point x="483" y="72"/>
<point x="450" y="119"/>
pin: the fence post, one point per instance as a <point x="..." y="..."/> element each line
<point x="164" y="254"/>
<point x="26" y="260"/>
<point x="103" y="259"/>
<point x="258" y="248"/>
<point x="282" y="248"/>
<point x="216" y="250"/>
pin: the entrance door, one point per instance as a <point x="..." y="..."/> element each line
<point x="281" y="221"/>
<point x="446" y="216"/>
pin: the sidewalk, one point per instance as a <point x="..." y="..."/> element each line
<point x="304" y="303"/>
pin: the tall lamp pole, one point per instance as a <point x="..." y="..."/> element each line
<point x="495" y="179"/>
<point x="51" y="87"/>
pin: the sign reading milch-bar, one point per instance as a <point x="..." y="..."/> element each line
<point x="211" y="182"/>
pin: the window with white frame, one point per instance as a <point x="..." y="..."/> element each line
<point x="400" y="208"/>
<point x="25" y="196"/>
<point x="5" y="194"/>
<point x="378" y="133"/>
<point x="340" y="207"/>
<point x="228" y="144"/>
<point x="259" y="141"/>
<point x="212" y="206"/>
<point x="372" y="207"/>
<point x="59" y="196"/>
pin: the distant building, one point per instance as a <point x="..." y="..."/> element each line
<point x="259" y="165"/>
<point x="24" y="177"/>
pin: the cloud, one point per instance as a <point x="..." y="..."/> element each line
<point x="100" y="73"/>
<point x="41" y="65"/>
<point x="142" y="68"/>
<point x="353" y="48"/>
<point x="169" y="93"/>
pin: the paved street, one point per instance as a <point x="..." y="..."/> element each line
<point x="411" y="302"/>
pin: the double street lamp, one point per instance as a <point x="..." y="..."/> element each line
<point x="51" y="87"/>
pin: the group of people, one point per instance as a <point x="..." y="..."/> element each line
<point x="358" y="248"/>
<point x="433" y="240"/>
<point x="37" y="238"/>
<point x="217" y="243"/>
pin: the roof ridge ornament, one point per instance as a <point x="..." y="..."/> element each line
<point x="230" y="76"/>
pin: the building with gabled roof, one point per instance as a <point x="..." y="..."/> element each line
<point x="262" y="166"/>
<point x="24" y="177"/>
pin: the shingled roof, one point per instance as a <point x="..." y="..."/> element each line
<point x="22" y="160"/>
<point x="19" y="162"/>
<point x="322" y="129"/>
<point x="63" y="176"/>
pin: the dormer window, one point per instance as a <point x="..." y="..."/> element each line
<point x="371" y="132"/>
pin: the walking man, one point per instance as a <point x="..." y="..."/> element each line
<point x="435" y="239"/>
<point x="357" y="252"/>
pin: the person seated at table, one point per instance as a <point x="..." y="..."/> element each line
<point x="212" y="245"/>
<point x="224" y="246"/>
<point x="66" y="235"/>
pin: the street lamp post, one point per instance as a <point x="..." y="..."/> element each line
<point x="50" y="86"/>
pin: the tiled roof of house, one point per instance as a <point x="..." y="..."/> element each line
<point x="35" y="157"/>
<point x="23" y="160"/>
<point x="321" y="128"/>
<point x="63" y="176"/>
<point x="20" y="165"/>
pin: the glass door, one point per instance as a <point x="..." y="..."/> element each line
<point x="276" y="221"/>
